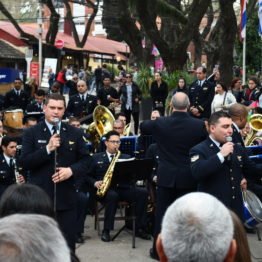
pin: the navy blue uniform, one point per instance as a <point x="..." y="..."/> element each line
<point x="174" y="135"/>
<point x="7" y="175"/>
<point x="201" y="97"/>
<point x="78" y="108"/>
<point x="221" y="180"/>
<point x="72" y="153"/>
<point x="117" y="192"/>
<point x="15" y="101"/>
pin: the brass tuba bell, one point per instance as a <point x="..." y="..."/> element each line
<point x="256" y="126"/>
<point x="102" y="123"/>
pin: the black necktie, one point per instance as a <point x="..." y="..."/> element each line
<point x="54" y="130"/>
<point x="11" y="163"/>
<point x="83" y="98"/>
<point x="111" y="156"/>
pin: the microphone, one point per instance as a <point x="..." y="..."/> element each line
<point x="56" y="124"/>
<point x="229" y="139"/>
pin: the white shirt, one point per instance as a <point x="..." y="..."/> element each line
<point x="7" y="159"/>
<point x="129" y="96"/>
<point x="81" y="95"/>
<point x="109" y="156"/>
<point x="221" y="158"/>
<point x="219" y="99"/>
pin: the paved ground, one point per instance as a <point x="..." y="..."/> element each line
<point x="121" y="249"/>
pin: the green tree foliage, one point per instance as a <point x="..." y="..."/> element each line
<point x="253" y="47"/>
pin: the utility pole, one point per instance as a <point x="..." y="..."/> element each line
<point x="40" y="32"/>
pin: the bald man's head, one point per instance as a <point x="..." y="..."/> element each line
<point x="180" y="102"/>
<point x="238" y="113"/>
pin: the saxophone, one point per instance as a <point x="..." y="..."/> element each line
<point x="108" y="176"/>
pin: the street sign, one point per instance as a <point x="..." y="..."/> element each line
<point x="59" y="43"/>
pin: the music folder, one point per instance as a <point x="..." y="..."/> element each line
<point x="129" y="171"/>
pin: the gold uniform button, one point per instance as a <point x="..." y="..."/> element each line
<point x="232" y="178"/>
<point x="233" y="197"/>
<point x="230" y="170"/>
<point x="233" y="187"/>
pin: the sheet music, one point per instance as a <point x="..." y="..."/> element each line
<point x="125" y="160"/>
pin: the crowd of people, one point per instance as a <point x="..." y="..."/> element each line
<point x="197" y="146"/>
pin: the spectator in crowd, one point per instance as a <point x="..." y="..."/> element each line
<point x="25" y="199"/>
<point x="98" y="77"/>
<point x="223" y="99"/>
<point x="105" y="71"/>
<point x="34" y="238"/>
<point x="107" y="95"/>
<point x="72" y="85"/>
<point x="61" y="79"/>
<point x="130" y="95"/>
<point x="55" y="88"/>
<point x="51" y="78"/>
<point x="201" y="93"/>
<point x="236" y="88"/>
<point x="134" y="73"/>
<point x="182" y="86"/>
<point x="82" y="74"/>
<point x="251" y="92"/>
<point x="31" y="87"/>
<point x="121" y="116"/>
<point x="16" y="97"/>
<point x="159" y="92"/>
<point x="193" y="233"/>
<point x="243" y="252"/>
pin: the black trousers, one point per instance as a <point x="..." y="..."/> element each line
<point x="67" y="222"/>
<point x="130" y="195"/>
<point x="164" y="198"/>
<point x="135" y="117"/>
<point x="82" y="205"/>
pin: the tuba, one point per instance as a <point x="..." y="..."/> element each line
<point x="127" y="129"/>
<point x="256" y="126"/>
<point x="103" y="123"/>
<point x="108" y="176"/>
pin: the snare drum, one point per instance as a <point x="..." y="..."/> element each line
<point x="252" y="209"/>
<point x="13" y="118"/>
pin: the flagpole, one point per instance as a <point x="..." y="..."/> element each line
<point x="244" y="61"/>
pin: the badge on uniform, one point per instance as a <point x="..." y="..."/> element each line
<point x="41" y="141"/>
<point x="205" y="88"/>
<point x="239" y="158"/>
<point x="194" y="158"/>
<point x="71" y="142"/>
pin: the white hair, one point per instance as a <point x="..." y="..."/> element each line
<point x="31" y="238"/>
<point x="196" y="228"/>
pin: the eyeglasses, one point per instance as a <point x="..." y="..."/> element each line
<point x="117" y="127"/>
<point x="114" y="142"/>
<point x="128" y="76"/>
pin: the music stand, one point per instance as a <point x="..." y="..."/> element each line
<point x="128" y="172"/>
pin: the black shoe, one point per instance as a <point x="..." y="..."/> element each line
<point x="80" y="239"/>
<point x="105" y="236"/>
<point x="143" y="234"/>
<point x="153" y="254"/>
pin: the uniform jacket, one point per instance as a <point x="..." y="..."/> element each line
<point x="78" y="108"/>
<point x="33" y="107"/>
<point x="72" y="153"/>
<point x="201" y="97"/>
<point x="136" y="93"/>
<point x="175" y="135"/>
<point x="99" y="166"/>
<point x="104" y="92"/>
<point x="221" y="180"/>
<point x="7" y="176"/>
<point x="15" y="101"/>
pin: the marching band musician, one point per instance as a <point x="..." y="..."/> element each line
<point x="219" y="166"/>
<point x="8" y="164"/>
<point x="117" y="192"/>
<point x="38" y="104"/>
<point x="47" y="141"/>
<point x="81" y="104"/>
<point x="16" y="98"/>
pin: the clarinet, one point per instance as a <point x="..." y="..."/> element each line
<point x="16" y="172"/>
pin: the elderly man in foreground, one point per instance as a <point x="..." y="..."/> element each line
<point x="197" y="227"/>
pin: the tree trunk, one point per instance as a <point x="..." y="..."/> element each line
<point x="228" y="36"/>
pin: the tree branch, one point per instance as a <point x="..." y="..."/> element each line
<point x="23" y="34"/>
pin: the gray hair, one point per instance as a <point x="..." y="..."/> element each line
<point x="34" y="238"/>
<point x="180" y="101"/>
<point x="197" y="227"/>
<point x="118" y="121"/>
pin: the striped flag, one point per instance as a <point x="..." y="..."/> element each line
<point x="243" y="22"/>
<point x="260" y="17"/>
